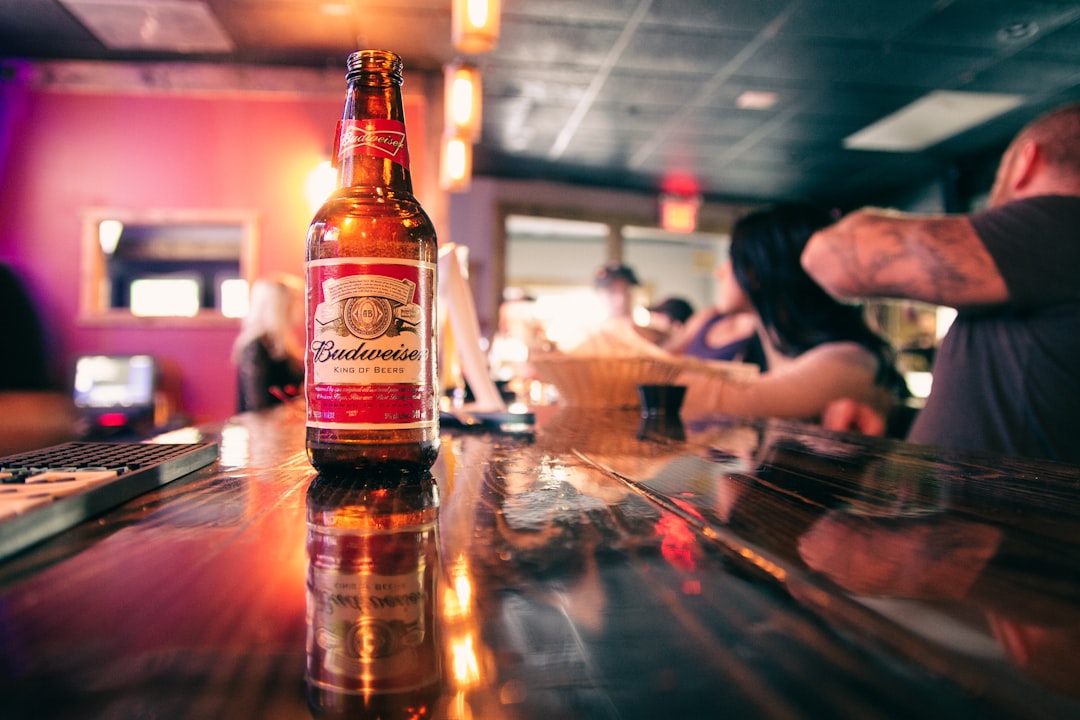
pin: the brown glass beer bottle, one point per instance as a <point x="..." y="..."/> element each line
<point x="372" y="648"/>
<point x="372" y="255"/>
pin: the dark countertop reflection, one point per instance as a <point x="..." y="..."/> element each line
<point x="597" y="568"/>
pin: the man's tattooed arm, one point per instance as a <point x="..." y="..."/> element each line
<point x="880" y="253"/>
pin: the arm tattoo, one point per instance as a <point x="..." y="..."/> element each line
<point x="934" y="259"/>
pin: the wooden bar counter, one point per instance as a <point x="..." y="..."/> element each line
<point x="596" y="568"/>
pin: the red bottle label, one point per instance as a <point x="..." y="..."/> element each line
<point x="369" y="362"/>
<point x="379" y="138"/>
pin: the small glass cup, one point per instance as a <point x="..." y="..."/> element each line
<point x="660" y="405"/>
<point x="661" y="400"/>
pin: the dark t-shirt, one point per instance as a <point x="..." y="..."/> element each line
<point x="1007" y="378"/>
<point x="258" y="372"/>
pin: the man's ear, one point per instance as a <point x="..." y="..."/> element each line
<point x="1029" y="159"/>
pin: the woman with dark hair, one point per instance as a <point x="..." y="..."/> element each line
<point x="816" y="350"/>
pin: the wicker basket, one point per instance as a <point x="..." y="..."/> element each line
<point x="602" y="382"/>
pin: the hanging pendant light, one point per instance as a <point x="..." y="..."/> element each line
<point x="462" y="100"/>
<point x="455" y="165"/>
<point x="474" y="25"/>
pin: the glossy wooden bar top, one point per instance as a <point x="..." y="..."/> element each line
<point x="597" y="569"/>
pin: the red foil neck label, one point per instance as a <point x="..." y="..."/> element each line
<point x="378" y="138"/>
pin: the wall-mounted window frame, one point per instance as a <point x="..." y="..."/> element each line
<point x="96" y="306"/>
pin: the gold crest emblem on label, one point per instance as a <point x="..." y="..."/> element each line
<point x="368" y="317"/>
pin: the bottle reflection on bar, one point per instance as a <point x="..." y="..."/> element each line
<point x="373" y="557"/>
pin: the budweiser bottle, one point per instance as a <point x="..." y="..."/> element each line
<point x="371" y="273"/>
<point x="373" y="558"/>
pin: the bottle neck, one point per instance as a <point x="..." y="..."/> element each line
<point x="371" y="147"/>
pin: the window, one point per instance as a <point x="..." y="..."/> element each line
<point x="166" y="266"/>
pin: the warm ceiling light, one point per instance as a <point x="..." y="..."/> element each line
<point x="756" y="100"/>
<point x="930" y="119"/>
<point x="474" y="25"/>
<point x="455" y="171"/>
<point x="462" y="99"/>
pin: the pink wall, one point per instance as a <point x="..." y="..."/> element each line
<point x="64" y="151"/>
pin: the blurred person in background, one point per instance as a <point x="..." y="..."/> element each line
<point x="713" y="334"/>
<point x="667" y="319"/>
<point x="269" y="351"/>
<point x="815" y="348"/>
<point x="1006" y="376"/>
<point x="617" y="332"/>
<point x="33" y="413"/>
<point x="615" y="283"/>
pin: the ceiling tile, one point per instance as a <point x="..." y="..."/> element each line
<point x="865" y="20"/>
<point x="734" y="15"/>
<point x="558" y="43"/>
<point x="1026" y="75"/>
<point x="632" y="89"/>
<point x="802" y="59"/>
<point x="696" y="52"/>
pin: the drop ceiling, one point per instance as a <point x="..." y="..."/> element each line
<point x="640" y="94"/>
